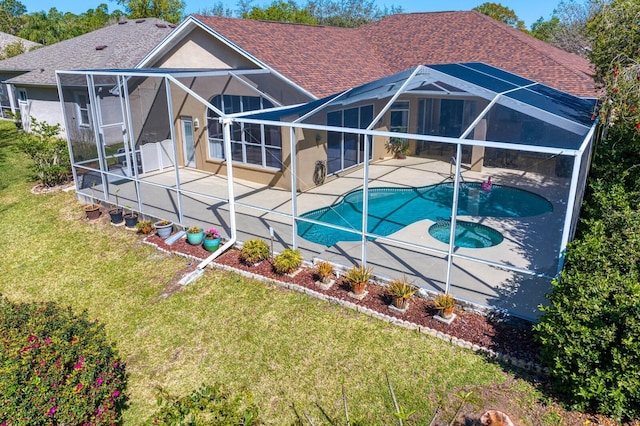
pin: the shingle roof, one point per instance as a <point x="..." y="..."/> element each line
<point x="6" y="39"/>
<point x="325" y="60"/>
<point x="125" y="45"/>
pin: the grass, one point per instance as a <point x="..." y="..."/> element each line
<point x="283" y="347"/>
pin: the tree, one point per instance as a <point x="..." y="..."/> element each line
<point x="281" y="11"/>
<point x="216" y="9"/>
<point x="348" y="13"/>
<point x="614" y="35"/>
<point x="12" y="49"/>
<point x="11" y="12"/>
<point x="168" y="10"/>
<point x="571" y="33"/>
<point x="545" y="30"/>
<point x="501" y="13"/>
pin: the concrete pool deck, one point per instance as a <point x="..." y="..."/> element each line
<point x="529" y="243"/>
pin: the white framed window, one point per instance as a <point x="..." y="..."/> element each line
<point x="82" y="109"/>
<point x="22" y="95"/>
<point x="250" y="143"/>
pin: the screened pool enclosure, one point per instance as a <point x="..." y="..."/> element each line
<point x="480" y="200"/>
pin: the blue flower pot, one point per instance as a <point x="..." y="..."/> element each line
<point x="163" y="231"/>
<point x="211" y="245"/>
<point x="195" y="238"/>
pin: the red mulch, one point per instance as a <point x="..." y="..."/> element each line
<point x="507" y="335"/>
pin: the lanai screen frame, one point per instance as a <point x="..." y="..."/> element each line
<point x="581" y="155"/>
<point x="403" y="83"/>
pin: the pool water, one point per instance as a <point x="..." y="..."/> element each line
<point x="391" y="209"/>
<point x="468" y="234"/>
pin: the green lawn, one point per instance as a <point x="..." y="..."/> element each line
<point x="281" y="346"/>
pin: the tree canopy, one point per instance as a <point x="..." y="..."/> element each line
<point x="168" y="10"/>
<point x="501" y="13"/>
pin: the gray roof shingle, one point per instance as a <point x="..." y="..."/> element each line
<point x="126" y="44"/>
<point x="6" y="39"/>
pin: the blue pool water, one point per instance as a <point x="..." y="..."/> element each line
<point x="391" y="209"/>
<point x="468" y="234"/>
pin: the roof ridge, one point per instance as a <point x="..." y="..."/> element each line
<point x="265" y="21"/>
<point x="529" y="39"/>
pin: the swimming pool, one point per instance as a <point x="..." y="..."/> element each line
<point x="391" y="209"/>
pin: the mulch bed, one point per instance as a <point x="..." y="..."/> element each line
<point x="507" y="335"/>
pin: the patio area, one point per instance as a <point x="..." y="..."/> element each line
<point x="410" y="251"/>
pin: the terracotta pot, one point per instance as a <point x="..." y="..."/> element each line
<point x="358" y="288"/>
<point x="446" y="313"/>
<point x="92" y="211"/>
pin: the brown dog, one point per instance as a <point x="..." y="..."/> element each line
<point x="495" y="418"/>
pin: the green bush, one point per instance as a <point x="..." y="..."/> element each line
<point x="57" y="368"/>
<point x="49" y="154"/>
<point x="206" y="406"/>
<point x="589" y="333"/>
<point x="287" y="261"/>
<point x="254" y="251"/>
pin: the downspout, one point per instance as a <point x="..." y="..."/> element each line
<point x="226" y="135"/>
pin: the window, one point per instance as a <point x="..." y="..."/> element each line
<point x="82" y="109"/>
<point x="250" y="143"/>
<point x="347" y="149"/>
<point x="22" y="95"/>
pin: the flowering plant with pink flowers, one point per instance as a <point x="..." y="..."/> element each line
<point x="212" y="234"/>
<point x="59" y="367"/>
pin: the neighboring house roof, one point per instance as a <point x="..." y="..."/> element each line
<point x="122" y="45"/>
<point x="325" y="60"/>
<point x="6" y="39"/>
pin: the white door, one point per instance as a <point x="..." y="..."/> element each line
<point x="189" y="144"/>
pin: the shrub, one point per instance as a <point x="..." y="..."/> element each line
<point x="287" y="261"/>
<point x="145" y="227"/>
<point x="254" y="251"/>
<point x="49" y="153"/>
<point x="324" y="270"/>
<point x="589" y="332"/>
<point x="401" y="289"/>
<point x="57" y="368"/>
<point x="208" y="405"/>
<point x="444" y="301"/>
<point x="358" y="275"/>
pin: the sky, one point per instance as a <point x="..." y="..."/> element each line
<point x="528" y="11"/>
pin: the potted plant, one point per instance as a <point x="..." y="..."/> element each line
<point x="144" y="227"/>
<point x="92" y="211"/>
<point x="325" y="273"/>
<point x="211" y="239"/>
<point x="254" y="251"/>
<point x="358" y="277"/>
<point x="445" y="304"/>
<point x="287" y="261"/>
<point x="130" y="219"/>
<point x="398" y="147"/>
<point x="163" y="228"/>
<point x="116" y="213"/>
<point x="195" y="235"/>
<point x="401" y="291"/>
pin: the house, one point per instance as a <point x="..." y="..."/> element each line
<point x="316" y="61"/>
<point x="7" y="103"/>
<point x="235" y="124"/>
<point x="30" y="81"/>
